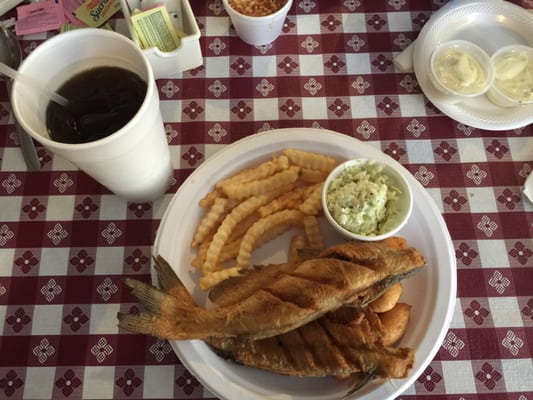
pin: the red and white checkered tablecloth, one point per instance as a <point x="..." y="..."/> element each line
<point x="66" y="243"/>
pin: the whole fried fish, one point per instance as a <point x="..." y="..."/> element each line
<point x="391" y="256"/>
<point x="272" y="300"/>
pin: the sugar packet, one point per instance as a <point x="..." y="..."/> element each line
<point x="70" y="7"/>
<point x="95" y="13"/>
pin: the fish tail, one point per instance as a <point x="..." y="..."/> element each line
<point x="166" y="276"/>
<point x="170" y="316"/>
<point x="144" y="323"/>
<point x="171" y="284"/>
<point x="152" y="299"/>
<point x="149" y="296"/>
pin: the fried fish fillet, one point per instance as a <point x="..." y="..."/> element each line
<point x="322" y="347"/>
<point x="291" y="296"/>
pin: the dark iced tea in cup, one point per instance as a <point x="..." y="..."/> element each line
<point x="102" y="100"/>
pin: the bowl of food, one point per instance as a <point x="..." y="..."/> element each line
<point x="513" y="76"/>
<point x="461" y="70"/>
<point x="365" y="199"/>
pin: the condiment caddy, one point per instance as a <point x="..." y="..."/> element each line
<point x="188" y="55"/>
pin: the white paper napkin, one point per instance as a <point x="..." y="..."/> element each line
<point x="528" y="187"/>
<point x="404" y="61"/>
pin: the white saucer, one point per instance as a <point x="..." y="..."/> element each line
<point x="491" y="24"/>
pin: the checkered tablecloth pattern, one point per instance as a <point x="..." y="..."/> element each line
<point x="66" y="243"/>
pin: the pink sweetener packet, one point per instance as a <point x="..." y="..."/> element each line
<point x="70" y="7"/>
<point x="39" y="17"/>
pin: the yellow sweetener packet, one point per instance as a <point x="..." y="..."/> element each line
<point x="95" y="13"/>
<point x="70" y="27"/>
<point x="153" y="28"/>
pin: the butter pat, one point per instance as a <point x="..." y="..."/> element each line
<point x="154" y="28"/>
<point x="514" y="74"/>
<point x="461" y="69"/>
<point x="513" y="70"/>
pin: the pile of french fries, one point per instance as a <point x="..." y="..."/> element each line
<point x="257" y="205"/>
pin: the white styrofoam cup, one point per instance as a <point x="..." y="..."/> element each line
<point x="133" y="162"/>
<point x="258" y="31"/>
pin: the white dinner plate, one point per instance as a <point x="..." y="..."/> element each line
<point x="431" y="292"/>
<point x="491" y="24"/>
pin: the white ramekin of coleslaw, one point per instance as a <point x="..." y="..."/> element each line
<point x="367" y="199"/>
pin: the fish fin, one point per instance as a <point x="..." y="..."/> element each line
<point x="367" y="296"/>
<point x="149" y="296"/>
<point x="358" y="380"/>
<point x="171" y="284"/>
<point x="166" y="276"/>
<point x="141" y="323"/>
<point x="169" y="316"/>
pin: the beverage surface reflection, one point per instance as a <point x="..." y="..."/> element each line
<point x="103" y="100"/>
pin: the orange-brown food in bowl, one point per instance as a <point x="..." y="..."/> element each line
<point x="256" y="8"/>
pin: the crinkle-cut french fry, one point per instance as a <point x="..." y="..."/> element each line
<point x="201" y="253"/>
<point x="311" y="176"/>
<point x="273" y="233"/>
<point x="280" y="190"/>
<point x="297" y="243"/>
<point x="212" y="279"/>
<point x="231" y="250"/>
<point x="197" y="262"/>
<point x="243" y="226"/>
<point x="241" y="191"/>
<point x="313" y="204"/>
<point x="285" y="218"/>
<point x="306" y="159"/>
<point x="245" y="254"/>
<point x="260" y="171"/>
<point x="312" y="232"/>
<point x="309" y="190"/>
<point x="211" y="219"/>
<point x="287" y="200"/>
<point x="233" y="218"/>
<point x="208" y="200"/>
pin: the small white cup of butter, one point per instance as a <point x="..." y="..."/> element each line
<point x="513" y="72"/>
<point x="461" y="70"/>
